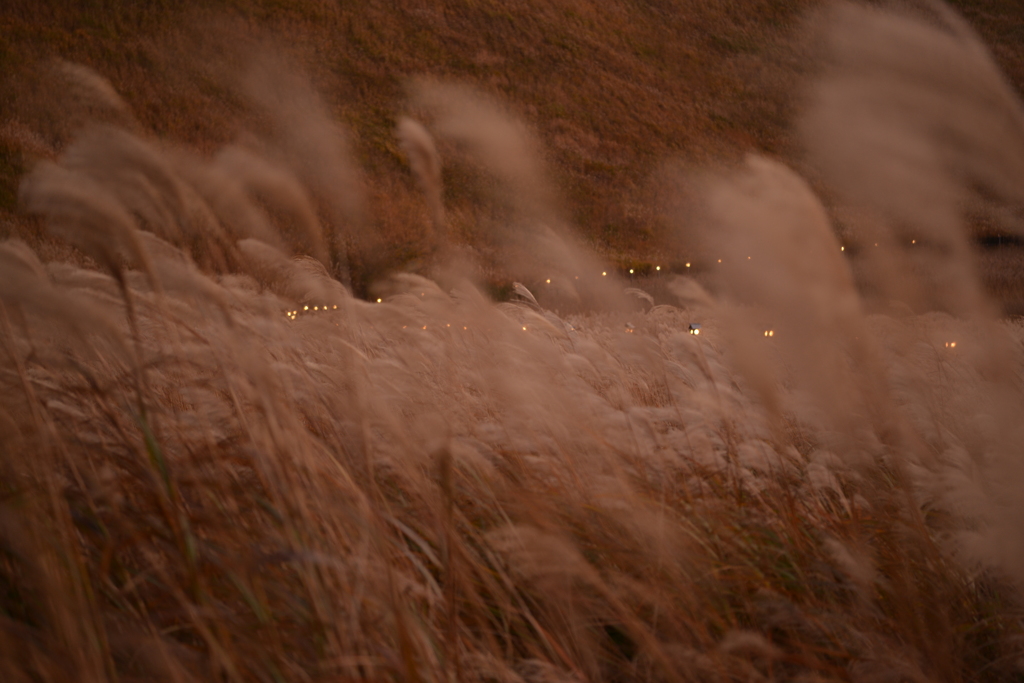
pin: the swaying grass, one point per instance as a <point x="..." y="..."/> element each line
<point x="218" y="464"/>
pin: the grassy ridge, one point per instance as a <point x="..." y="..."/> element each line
<point x="612" y="88"/>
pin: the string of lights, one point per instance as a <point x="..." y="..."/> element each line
<point x="694" y="328"/>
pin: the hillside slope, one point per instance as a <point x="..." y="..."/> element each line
<point x="612" y="88"/>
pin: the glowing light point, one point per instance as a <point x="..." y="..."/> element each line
<point x="315" y="308"/>
<point x="604" y="274"/>
<point x="378" y="300"/>
<point x="694" y="328"/>
<point x="630" y="271"/>
<point x="913" y="241"/>
<point x="335" y="306"/>
<point x="687" y="265"/>
<point x="719" y="260"/>
<point x="842" y="248"/>
<point x="305" y="308"/>
<point x="424" y="327"/>
<point x="548" y="281"/>
<point x="657" y="267"/>
<point x="524" y="328"/>
<point x="748" y="258"/>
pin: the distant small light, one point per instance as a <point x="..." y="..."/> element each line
<point x="548" y="281"/>
<point x="769" y="333"/>
<point x="842" y="248"/>
<point x="314" y="308"/>
<point x="913" y="241"/>
<point x="657" y="267"/>
<point x="687" y="265"/>
<point x="577" y="277"/>
<point x="335" y="306"/>
<point x="305" y="308"/>
<point x="465" y="328"/>
<point x="424" y="327"/>
<point x="524" y="328"/>
<point x="719" y="260"/>
<point x="694" y="328"/>
<point x="630" y="271"/>
<point x="603" y="274"/>
<point x="950" y="345"/>
<point x="448" y="325"/>
<point x="876" y="244"/>
<point x="748" y="258"/>
<point x="378" y="300"/>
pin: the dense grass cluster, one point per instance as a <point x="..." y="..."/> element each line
<point x="218" y="464"/>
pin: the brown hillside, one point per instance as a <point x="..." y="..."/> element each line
<point x="613" y="88"/>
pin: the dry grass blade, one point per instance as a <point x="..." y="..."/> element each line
<point x="426" y="165"/>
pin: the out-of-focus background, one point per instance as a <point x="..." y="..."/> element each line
<point x="615" y="91"/>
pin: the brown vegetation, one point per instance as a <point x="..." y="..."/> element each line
<point x="613" y="88"/>
<point x="216" y="463"/>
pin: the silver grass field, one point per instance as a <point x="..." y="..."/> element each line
<point x="218" y="464"/>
